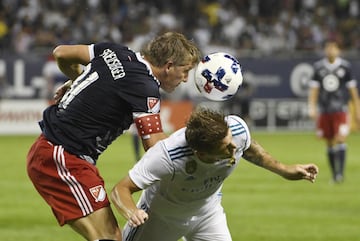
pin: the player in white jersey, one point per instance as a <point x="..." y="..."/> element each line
<point x="182" y="177"/>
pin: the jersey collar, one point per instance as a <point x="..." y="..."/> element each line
<point x="142" y="60"/>
<point x="332" y="66"/>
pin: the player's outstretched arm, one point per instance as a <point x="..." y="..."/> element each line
<point x="121" y="196"/>
<point x="257" y="155"/>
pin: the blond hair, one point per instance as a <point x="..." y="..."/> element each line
<point x="171" y="46"/>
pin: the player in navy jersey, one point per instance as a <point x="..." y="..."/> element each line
<point x="330" y="88"/>
<point x="110" y="88"/>
<point x="182" y="178"/>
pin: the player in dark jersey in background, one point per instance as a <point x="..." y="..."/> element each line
<point x="115" y="88"/>
<point x="330" y="87"/>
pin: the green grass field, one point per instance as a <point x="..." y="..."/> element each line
<point x="259" y="205"/>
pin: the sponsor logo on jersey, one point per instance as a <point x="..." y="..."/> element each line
<point x="98" y="193"/>
<point x="331" y="83"/>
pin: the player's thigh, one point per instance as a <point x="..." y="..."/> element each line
<point x="212" y="228"/>
<point x="155" y="229"/>
<point x="325" y="126"/>
<point x="100" y="224"/>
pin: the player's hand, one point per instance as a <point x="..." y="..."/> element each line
<point x="59" y="93"/>
<point x="299" y="171"/>
<point x="310" y="172"/>
<point x="138" y="217"/>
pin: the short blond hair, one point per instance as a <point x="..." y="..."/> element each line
<point x="171" y="46"/>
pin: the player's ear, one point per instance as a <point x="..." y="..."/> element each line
<point x="169" y="64"/>
<point x="199" y="154"/>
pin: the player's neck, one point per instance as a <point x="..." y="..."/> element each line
<point x="331" y="59"/>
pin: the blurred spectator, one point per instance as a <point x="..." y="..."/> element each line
<point x="4" y="30"/>
<point x="136" y="142"/>
<point x="263" y="26"/>
<point x="2" y="79"/>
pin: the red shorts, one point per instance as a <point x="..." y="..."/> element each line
<point x="331" y="124"/>
<point x="70" y="185"/>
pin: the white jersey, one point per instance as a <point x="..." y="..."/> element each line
<point x="176" y="183"/>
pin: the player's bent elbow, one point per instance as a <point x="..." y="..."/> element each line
<point x="59" y="52"/>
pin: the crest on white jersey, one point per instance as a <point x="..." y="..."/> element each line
<point x="190" y="167"/>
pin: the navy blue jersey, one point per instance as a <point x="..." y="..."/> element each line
<point x="333" y="80"/>
<point x="100" y="104"/>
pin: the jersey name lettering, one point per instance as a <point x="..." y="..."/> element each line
<point x="113" y="63"/>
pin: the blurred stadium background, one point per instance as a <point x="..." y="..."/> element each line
<point x="276" y="42"/>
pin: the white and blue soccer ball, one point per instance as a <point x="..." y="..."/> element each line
<point x="218" y="76"/>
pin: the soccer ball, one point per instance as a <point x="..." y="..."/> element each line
<point x="218" y="76"/>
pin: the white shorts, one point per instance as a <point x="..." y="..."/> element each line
<point x="158" y="227"/>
